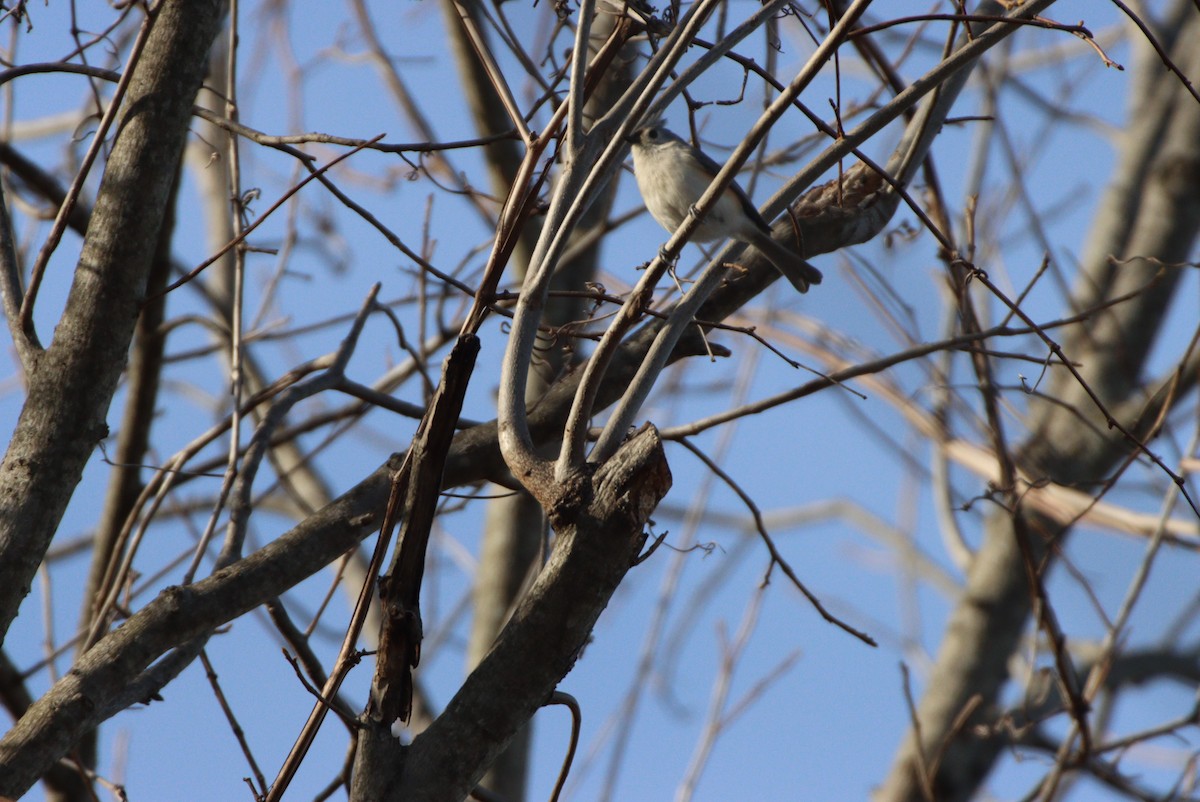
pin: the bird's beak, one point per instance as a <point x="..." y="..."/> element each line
<point x="632" y="138"/>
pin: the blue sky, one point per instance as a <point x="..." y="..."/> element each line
<point x="825" y="728"/>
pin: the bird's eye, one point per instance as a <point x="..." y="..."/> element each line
<point x="652" y="134"/>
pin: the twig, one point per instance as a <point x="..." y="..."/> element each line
<point x="64" y="211"/>
<point x="238" y="732"/>
<point x="259" y="220"/>
<point x="982" y="277"/>
<point x="568" y="701"/>
<point x="776" y="557"/>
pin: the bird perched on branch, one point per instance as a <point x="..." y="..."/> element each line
<point x="672" y="175"/>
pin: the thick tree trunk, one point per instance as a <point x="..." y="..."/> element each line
<point x="72" y="383"/>
<point x="1150" y="216"/>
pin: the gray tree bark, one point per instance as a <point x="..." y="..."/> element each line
<point x="72" y="383"/>
<point x="1150" y="216"/>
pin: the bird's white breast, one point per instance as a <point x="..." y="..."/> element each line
<point x="671" y="181"/>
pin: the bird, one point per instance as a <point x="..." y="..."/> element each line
<point x="672" y="175"/>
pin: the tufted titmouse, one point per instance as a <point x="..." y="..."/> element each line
<point x="672" y="176"/>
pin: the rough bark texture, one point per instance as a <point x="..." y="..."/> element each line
<point x="599" y="525"/>
<point x="96" y="686"/>
<point x="515" y="526"/>
<point x="72" y="383"/>
<point x="1152" y="213"/>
